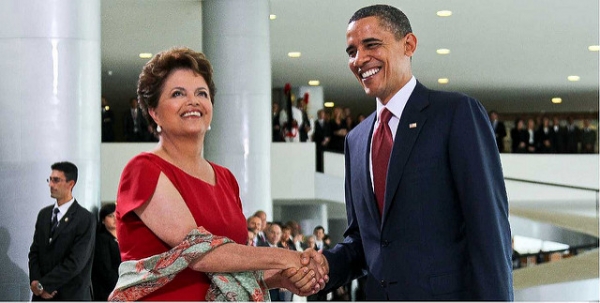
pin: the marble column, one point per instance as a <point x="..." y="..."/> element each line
<point x="50" y="98"/>
<point x="236" y="41"/>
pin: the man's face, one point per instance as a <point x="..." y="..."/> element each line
<point x="255" y="224"/>
<point x="274" y="234"/>
<point x="60" y="189"/>
<point x="319" y="234"/>
<point x="263" y="219"/>
<point x="379" y="61"/>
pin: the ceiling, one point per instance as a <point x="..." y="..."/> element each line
<point x="512" y="55"/>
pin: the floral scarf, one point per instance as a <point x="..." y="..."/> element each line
<point x="140" y="278"/>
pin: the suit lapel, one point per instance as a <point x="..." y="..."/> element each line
<point x="411" y="122"/>
<point x="65" y="220"/>
<point x="364" y="152"/>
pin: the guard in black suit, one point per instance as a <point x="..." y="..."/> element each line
<point x="60" y="257"/>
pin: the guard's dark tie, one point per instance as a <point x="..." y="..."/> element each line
<point x="54" y="220"/>
<point x="382" y="148"/>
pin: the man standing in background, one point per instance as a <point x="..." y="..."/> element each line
<point x="61" y="255"/>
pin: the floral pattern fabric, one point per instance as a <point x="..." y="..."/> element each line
<point x="139" y="278"/>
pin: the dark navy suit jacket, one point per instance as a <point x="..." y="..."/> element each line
<point x="444" y="234"/>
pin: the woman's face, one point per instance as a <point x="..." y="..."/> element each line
<point x="184" y="106"/>
<point x="110" y="222"/>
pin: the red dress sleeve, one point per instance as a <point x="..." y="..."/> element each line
<point x="138" y="182"/>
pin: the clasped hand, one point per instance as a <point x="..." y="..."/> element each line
<point x="311" y="277"/>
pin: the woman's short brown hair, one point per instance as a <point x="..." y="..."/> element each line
<point x="156" y="71"/>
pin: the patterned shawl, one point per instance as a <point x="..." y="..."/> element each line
<point x="140" y="278"/>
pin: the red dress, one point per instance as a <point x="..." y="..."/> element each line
<point x="217" y="208"/>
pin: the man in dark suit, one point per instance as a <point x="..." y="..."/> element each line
<point x="499" y="130"/>
<point x="134" y="124"/>
<point x="434" y="225"/>
<point x="61" y="255"/>
<point x="321" y="137"/>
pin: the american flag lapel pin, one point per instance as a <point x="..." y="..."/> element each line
<point x="412" y="125"/>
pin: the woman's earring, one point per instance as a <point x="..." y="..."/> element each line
<point x="158" y="129"/>
<point x="209" y="127"/>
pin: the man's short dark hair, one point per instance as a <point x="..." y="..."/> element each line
<point x="68" y="168"/>
<point x="319" y="227"/>
<point x="393" y="19"/>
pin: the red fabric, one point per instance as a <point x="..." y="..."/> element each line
<point x="217" y="208"/>
<point x="382" y="148"/>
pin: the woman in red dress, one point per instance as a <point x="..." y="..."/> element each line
<point x="167" y="192"/>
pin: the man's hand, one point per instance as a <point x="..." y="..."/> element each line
<point x="36" y="291"/>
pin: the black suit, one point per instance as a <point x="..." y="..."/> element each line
<point x="65" y="263"/>
<point x="136" y="130"/>
<point x="105" y="271"/>
<point x="500" y="133"/>
<point x="321" y="133"/>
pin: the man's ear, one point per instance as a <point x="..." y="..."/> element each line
<point x="410" y="45"/>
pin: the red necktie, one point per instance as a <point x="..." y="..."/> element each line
<point x="382" y="148"/>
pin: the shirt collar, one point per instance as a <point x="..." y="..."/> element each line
<point x="398" y="102"/>
<point x="65" y="207"/>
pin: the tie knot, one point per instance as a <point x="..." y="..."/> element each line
<point x="56" y="211"/>
<point x="385" y="115"/>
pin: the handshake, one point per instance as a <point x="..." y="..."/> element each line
<point x="307" y="279"/>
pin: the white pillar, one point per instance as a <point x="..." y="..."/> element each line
<point x="236" y="41"/>
<point x="50" y="97"/>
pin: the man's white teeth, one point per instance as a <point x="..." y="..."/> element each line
<point x="370" y="73"/>
<point x="197" y="114"/>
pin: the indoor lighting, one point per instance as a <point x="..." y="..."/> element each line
<point x="272" y="16"/>
<point x="573" y="78"/>
<point x="594" y="48"/>
<point x="294" y="54"/>
<point x="444" y="13"/>
<point x="443" y="51"/>
<point x="556" y="100"/>
<point x="145" y="55"/>
<point x="314" y="82"/>
<point x="443" y="80"/>
<point x="329" y="104"/>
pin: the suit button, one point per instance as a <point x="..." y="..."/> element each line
<point x="383" y="284"/>
<point x="385" y="243"/>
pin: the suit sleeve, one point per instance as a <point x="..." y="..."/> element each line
<point x="34" y="258"/>
<point x="478" y="178"/>
<point x="346" y="260"/>
<point x="78" y="257"/>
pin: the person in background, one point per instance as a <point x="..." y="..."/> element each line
<point x="276" y="128"/>
<point x="319" y="233"/>
<point x="425" y="197"/>
<point x="108" y="122"/>
<point x="262" y="231"/>
<point x="532" y="140"/>
<point x="135" y="126"/>
<point x="61" y="255"/>
<point x="339" y="130"/>
<point x="321" y="137"/>
<point x="251" y="238"/>
<point x="588" y="138"/>
<point x="573" y="136"/>
<point x="519" y="137"/>
<point x="499" y="130"/>
<point x="304" y="128"/>
<point x="171" y="201"/>
<point x="255" y="225"/>
<point x="107" y="258"/>
<point x="544" y="136"/>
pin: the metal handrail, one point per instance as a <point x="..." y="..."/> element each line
<point x="563" y="186"/>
